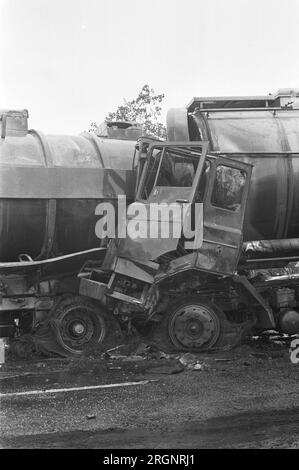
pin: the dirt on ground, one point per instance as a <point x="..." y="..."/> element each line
<point x="247" y="397"/>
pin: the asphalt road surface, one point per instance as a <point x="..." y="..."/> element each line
<point x="244" y="399"/>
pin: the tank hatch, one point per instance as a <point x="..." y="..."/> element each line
<point x="120" y="130"/>
<point x="13" y="123"/>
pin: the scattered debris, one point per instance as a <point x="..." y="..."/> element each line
<point x="272" y="339"/>
<point x="134" y="358"/>
<point x="115" y="349"/>
<point x="163" y="355"/>
<point x="197" y="366"/>
<point x="190" y="361"/>
<point x="116" y="356"/>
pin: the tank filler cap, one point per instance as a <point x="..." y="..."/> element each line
<point x="120" y="130"/>
<point x="14" y="123"/>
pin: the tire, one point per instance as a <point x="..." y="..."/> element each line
<point x="192" y="324"/>
<point x="80" y="326"/>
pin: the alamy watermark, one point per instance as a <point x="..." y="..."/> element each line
<point x="151" y="220"/>
<point x="294" y="351"/>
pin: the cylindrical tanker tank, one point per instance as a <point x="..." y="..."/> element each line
<point x="50" y="186"/>
<point x="263" y="131"/>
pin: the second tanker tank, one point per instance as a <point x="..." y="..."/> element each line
<point x="261" y="130"/>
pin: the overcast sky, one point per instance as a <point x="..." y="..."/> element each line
<point x="70" y="62"/>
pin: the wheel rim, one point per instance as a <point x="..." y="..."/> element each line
<point x="80" y="329"/>
<point x="194" y="327"/>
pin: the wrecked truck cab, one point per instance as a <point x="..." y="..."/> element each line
<point x="188" y="215"/>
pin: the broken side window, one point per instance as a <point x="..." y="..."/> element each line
<point x="228" y="188"/>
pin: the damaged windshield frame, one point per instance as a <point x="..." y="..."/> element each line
<point x="193" y="151"/>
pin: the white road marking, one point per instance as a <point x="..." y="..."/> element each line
<point x="74" y="389"/>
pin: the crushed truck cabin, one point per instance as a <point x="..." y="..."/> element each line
<point x="237" y="158"/>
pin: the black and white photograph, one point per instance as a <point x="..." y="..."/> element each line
<point x="149" y="228"/>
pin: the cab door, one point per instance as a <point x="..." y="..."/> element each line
<point x="166" y="190"/>
<point x="223" y="215"/>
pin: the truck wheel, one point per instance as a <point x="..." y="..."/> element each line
<point x="195" y="324"/>
<point x="79" y="326"/>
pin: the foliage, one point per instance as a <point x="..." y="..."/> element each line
<point x="145" y="109"/>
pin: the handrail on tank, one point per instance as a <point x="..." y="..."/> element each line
<point x="238" y="102"/>
<point x="230" y="110"/>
